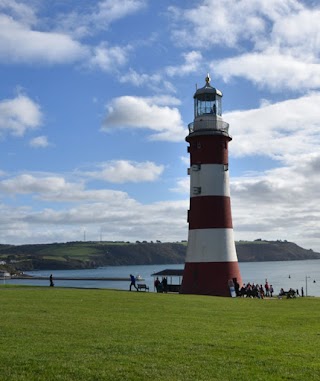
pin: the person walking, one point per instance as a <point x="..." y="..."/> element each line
<point x="51" y="281"/>
<point x="133" y="282"/>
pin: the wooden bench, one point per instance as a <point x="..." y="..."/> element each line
<point x="142" y="286"/>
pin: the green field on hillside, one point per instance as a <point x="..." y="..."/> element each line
<point x="80" y="334"/>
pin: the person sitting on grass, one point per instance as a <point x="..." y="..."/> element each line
<point x="291" y="294"/>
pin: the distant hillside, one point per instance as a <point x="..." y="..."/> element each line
<point x="76" y="255"/>
<point x="260" y="250"/>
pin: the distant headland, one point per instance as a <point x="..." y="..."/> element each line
<point x="78" y="255"/>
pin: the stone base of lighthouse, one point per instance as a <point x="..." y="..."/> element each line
<point x="209" y="278"/>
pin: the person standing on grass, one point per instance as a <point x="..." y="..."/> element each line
<point x="156" y="284"/>
<point x="267" y="287"/>
<point x="51" y="281"/>
<point x="271" y="290"/>
<point x="165" y="284"/>
<point x="133" y="282"/>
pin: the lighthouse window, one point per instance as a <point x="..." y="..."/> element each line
<point x="196" y="167"/>
<point x="198" y="145"/>
<point x="206" y="105"/>
<point x="218" y="105"/>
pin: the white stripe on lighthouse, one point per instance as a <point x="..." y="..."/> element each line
<point x="212" y="178"/>
<point x="211" y="245"/>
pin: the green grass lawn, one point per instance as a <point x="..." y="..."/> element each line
<point x="78" y="334"/>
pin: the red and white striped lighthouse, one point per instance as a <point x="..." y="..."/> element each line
<point x="211" y="261"/>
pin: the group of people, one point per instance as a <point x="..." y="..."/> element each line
<point x="161" y="286"/>
<point x="252" y="290"/>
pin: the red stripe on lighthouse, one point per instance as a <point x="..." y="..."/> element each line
<point x="208" y="149"/>
<point x="218" y="217"/>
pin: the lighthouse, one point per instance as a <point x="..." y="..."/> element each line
<point x="211" y="266"/>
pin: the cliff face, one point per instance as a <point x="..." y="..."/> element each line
<point x="76" y="255"/>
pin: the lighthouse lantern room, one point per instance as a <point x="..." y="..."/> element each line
<point x="211" y="266"/>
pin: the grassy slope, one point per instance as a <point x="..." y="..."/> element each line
<point x="116" y="335"/>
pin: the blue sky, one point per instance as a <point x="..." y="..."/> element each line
<point x="96" y="96"/>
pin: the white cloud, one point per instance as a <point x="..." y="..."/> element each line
<point x="270" y="69"/>
<point x="298" y="34"/>
<point x="123" y="171"/>
<point x="39" y="142"/>
<point x="18" y="115"/>
<point x="98" y="16"/>
<point x="163" y="100"/>
<point x="277" y="204"/>
<point x="109" y="10"/>
<point x="22" y="12"/>
<point x="127" y="221"/>
<point x="138" y="112"/>
<point x="281" y="131"/>
<point x="108" y="58"/>
<point x="213" y="22"/>
<point x="185" y="160"/>
<point x="69" y="225"/>
<point x="23" y="40"/>
<point x="56" y="188"/>
<point x="113" y="213"/>
<point x="281" y="203"/>
<point x="192" y="61"/>
<point x="228" y="23"/>
<point x="281" y="40"/>
<point x="183" y="186"/>
<point x="18" y="43"/>
<point x="151" y="81"/>
<point x="137" y="79"/>
<point x="27" y="183"/>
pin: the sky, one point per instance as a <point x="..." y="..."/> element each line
<point x="95" y="101"/>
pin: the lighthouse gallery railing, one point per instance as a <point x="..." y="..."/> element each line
<point x="218" y="125"/>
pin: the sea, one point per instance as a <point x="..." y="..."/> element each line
<point x="281" y="274"/>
